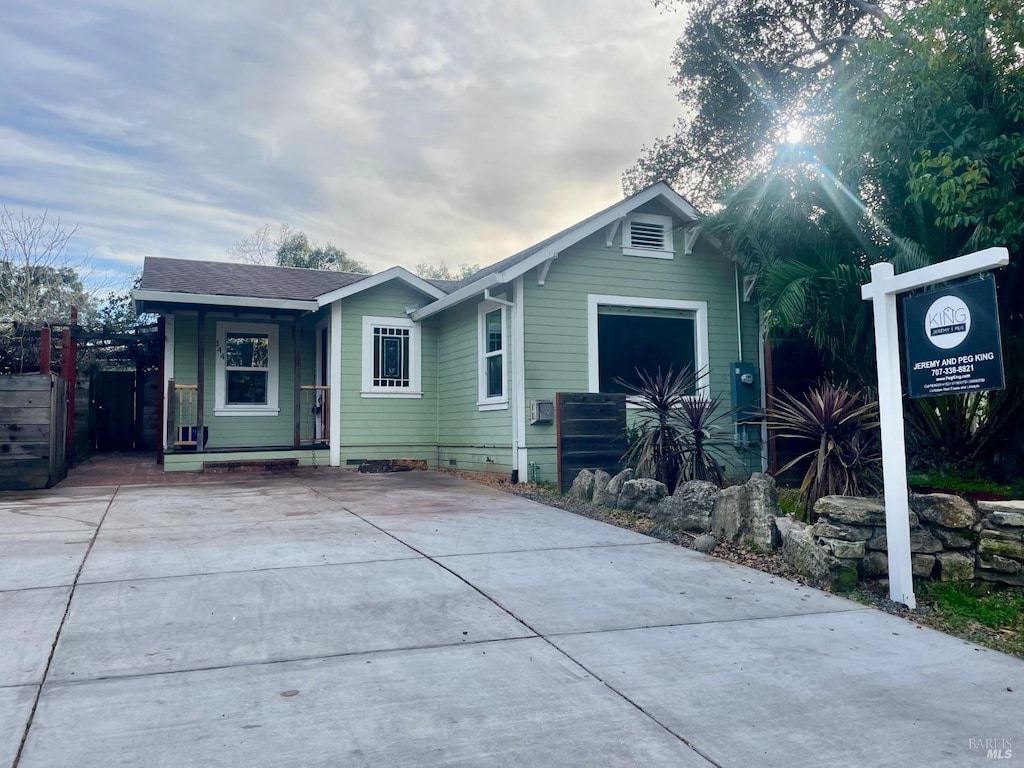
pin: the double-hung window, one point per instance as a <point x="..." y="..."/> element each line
<point x="493" y="356"/>
<point x="391" y="357"/>
<point x="247" y="369"/>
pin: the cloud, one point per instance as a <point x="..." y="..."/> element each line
<point x="459" y="130"/>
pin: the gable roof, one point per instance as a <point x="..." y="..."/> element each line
<point x="681" y="206"/>
<point x="522" y="262"/>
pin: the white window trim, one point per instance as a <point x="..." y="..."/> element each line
<point x="414" y="389"/>
<point x="221" y="406"/>
<point x="667" y="250"/>
<point x="700" y="312"/>
<point x="499" y="402"/>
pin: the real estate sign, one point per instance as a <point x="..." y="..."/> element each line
<point x="952" y="339"/>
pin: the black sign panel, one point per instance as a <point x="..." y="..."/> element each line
<point x="952" y="337"/>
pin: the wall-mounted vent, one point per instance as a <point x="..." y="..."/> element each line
<point x="542" y="411"/>
<point x="644" y="235"/>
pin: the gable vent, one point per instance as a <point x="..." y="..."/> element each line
<point x="646" y="235"/>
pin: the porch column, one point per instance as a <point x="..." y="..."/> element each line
<point x="200" y="379"/>
<point x="297" y="382"/>
<point x="334" y="362"/>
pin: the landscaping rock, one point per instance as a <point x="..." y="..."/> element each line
<point x="844" y="549"/>
<point x="763" y="508"/>
<point x="601" y="480"/>
<point x="850" y="509"/>
<point x="1016" y="579"/>
<point x="841" y="531"/>
<point x="705" y="543"/>
<point x="1009" y="519"/>
<point x="801" y="550"/>
<point x="728" y="518"/>
<point x="921" y="541"/>
<point x="955" y="567"/>
<point x="1010" y="513"/>
<point x="963" y="539"/>
<point x="689" y="508"/>
<point x="944" y="509"/>
<point x="875" y="564"/>
<point x="641" y="494"/>
<point x="1001" y="564"/>
<point x="583" y="486"/>
<point x="1001" y="547"/>
<point x="922" y="565"/>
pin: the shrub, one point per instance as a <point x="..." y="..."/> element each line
<point x="843" y="456"/>
<point x="675" y="436"/>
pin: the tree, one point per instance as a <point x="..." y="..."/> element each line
<point x="441" y="271"/>
<point x="914" y="154"/>
<point x="291" y="248"/>
<point x="39" y="283"/>
<point x="748" y="73"/>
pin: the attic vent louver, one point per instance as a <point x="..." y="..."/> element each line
<point x="644" y="235"/>
<point x="647" y="234"/>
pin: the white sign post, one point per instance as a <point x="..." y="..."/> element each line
<point x="882" y="291"/>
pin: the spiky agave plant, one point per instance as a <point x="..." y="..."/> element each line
<point x="675" y="432"/>
<point x="843" y="456"/>
<point x="659" y="446"/>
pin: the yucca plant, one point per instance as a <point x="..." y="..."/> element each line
<point x="674" y="436"/>
<point x="840" y="426"/>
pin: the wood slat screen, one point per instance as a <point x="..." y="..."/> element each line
<point x="591" y="433"/>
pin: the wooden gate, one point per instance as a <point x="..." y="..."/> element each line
<point x="591" y="433"/>
<point x="112" y="410"/>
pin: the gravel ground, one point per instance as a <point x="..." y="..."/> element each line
<point x="869" y="593"/>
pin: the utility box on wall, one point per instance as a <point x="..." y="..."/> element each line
<point x="542" y="411"/>
<point x="745" y="393"/>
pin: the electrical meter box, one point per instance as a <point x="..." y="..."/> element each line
<point x="746" y="395"/>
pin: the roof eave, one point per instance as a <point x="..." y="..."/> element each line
<point x="174" y="297"/>
<point x="465" y="292"/>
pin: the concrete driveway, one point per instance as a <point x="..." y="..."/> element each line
<point x="335" y="619"/>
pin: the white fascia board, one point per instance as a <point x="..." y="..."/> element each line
<point x="394" y="273"/>
<point x="173" y="297"/>
<point x="466" y="292"/>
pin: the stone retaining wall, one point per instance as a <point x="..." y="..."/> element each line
<point x="951" y="539"/>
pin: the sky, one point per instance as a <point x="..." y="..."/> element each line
<point x="403" y="131"/>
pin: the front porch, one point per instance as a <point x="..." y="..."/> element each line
<point x="241" y="390"/>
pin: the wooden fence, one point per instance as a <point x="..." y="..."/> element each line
<point x="33" y="425"/>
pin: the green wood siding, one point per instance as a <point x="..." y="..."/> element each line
<point x="556" y="334"/>
<point x="384" y="427"/>
<point x="475" y="440"/>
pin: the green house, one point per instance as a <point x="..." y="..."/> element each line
<point x="333" y="368"/>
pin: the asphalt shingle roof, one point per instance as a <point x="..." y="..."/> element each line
<point x="221" y="278"/>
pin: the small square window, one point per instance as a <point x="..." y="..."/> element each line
<point x="391" y="357"/>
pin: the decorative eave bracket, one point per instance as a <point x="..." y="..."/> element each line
<point x="690" y="239"/>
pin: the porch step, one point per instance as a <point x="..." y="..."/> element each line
<point x="249" y="465"/>
<point x="392" y="465"/>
